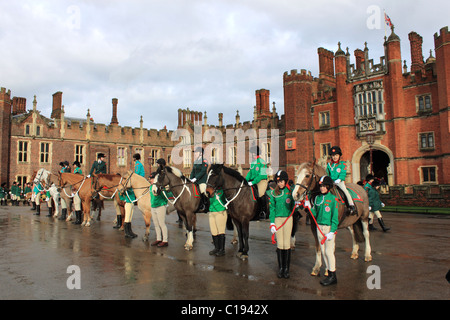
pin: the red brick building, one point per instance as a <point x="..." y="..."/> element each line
<point x="386" y="120"/>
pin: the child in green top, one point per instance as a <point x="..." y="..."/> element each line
<point x="281" y="206"/>
<point x="217" y="222"/>
<point x="326" y="212"/>
<point x="159" y="211"/>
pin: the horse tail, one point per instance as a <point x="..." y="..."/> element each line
<point x="358" y="231"/>
<point x="230" y="225"/>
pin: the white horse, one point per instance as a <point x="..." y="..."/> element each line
<point x="43" y="178"/>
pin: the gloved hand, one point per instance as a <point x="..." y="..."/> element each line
<point x="370" y="208"/>
<point x="330" y="235"/>
<point x="273" y="228"/>
<point x="382" y="204"/>
<point x="193" y="180"/>
<point x="307" y="204"/>
<point x="88" y="176"/>
<point x="337" y="181"/>
<point x="250" y="183"/>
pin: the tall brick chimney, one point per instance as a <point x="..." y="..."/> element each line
<point x="326" y="61"/>
<point x="263" y="103"/>
<point x="416" y="51"/>
<point x="57" y="104"/>
<point x="114" y="111"/>
<point x="19" y="105"/>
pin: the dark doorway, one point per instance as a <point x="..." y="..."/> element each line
<point x="380" y="162"/>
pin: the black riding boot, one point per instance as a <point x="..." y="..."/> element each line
<point x="280" y="263"/>
<point x="77" y="217"/>
<point x="221" y="245"/>
<point x="287" y="263"/>
<point x="34" y="206"/>
<point x="63" y="214"/>
<point x="118" y="222"/>
<point x="38" y="210"/>
<point x="128" y="232"/>
<point x="49" y="214"/>
<point x="216" y="245"/>
<point x="331" y="279"/>
<point x="383" y="226"/>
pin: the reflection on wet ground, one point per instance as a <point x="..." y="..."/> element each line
<point x="37" y="251"/>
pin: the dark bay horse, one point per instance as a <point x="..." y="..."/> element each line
<point x="308" y="176"/>
<point x="241" y="202"/>
<point x="186" y="200"/>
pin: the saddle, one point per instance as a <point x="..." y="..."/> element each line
<point x="343" y="199"/>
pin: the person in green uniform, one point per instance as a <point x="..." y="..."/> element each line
<point x="159" y="211"/>
<point x="64" y="205"/>
<point x="38" y="188"/>
<point x="26" y="191"/>
<point x="3" y="193"/>
<point x="257" y="175"/>
<point x="15" y="194"/>
<point x="375" y="204"/>
<point x="337" y="171"/>
<point x="76" y="198"/>
<point x="281" y="205"/>
<point x="326" y="212"/>
<point x="217" y="222"/>
<point x="198" y="176"/>
<point x="99" y="166"/>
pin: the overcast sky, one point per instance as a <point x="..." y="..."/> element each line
<point x="205" y="55"/>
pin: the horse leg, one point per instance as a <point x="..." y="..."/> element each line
<point x="245" y="234"/>
<point x="368" y="249"/>
<point x="355" y="244"/>
<point x="147" y="219"/>
<point x="87" y="213"/>
<point x="240" y="232"/>
<point x="190" y="224"/>
<point x="316" y="269"/>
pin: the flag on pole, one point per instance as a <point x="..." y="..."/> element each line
<point x="387" y="20"/>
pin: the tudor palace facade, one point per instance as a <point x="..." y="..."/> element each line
<point x="388" y="120"/>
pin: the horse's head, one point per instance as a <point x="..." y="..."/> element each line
<point x="161" y="179"/>
<point x="215" y="177"/>
<point x="125" y="183"/>
<point x="306" y="180"/>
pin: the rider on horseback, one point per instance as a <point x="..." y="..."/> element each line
<point x="258" y="176"/>
<point x="198" y="176"/>
<point x="337" y="170"/>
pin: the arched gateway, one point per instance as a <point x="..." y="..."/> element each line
<point x="382" y="160"/>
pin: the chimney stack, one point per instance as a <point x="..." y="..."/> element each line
<point x="416" y="52"/>
<point x="57" y="104"/>
<point x="114" y="113"/>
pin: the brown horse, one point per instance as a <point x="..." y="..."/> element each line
<point x="308" y="176"/>
<point x="106" y="186"/>
<point x="83" y="186"/>
<point x="141" y="188"/>
<point x="241" y="202"/>
<point x="185" y="200"/>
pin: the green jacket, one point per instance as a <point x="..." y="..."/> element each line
<point x="280" y="205"/>
<point x="98" y="167"/>
<point x="139" y="168"/>
<point x="78" y="170"/>
<point x="337" y="170"/>
<point x="374" y="199"/>
<point x="326" y="210"/>
<point x="128" y="199"/>
<point x="199" y="171"/>
<point x="15" y="190"/>
<point x="26" y="190"/>
<point x="214" y="204"/>
<point x="2" y="193"/>
<point x="258" y="171"/>
<point x="159" y="200"/>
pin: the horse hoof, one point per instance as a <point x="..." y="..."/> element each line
<point x="315" y="273"/>
<point x="145" y="238"/>
<point x="244" y="257"/>
<point x="354" y="256"/>
<point x="368" y="259"/>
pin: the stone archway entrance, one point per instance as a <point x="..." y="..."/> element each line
<point x="380" y="161"/>
<point x="383" y="162"/>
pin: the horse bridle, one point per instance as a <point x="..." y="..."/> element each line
<point x="215" y="189"/>
<point x="307" y="188"/>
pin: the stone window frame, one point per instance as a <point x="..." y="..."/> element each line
<point x="27" y="152"/>
<point x="427" y="136"/>
<point x="422" y="174"/>
<point x="44" y="153"/>
<point x="425" y="109"/>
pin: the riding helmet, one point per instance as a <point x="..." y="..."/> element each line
<point x="326" y="180"/>
<point x="335" y="150"/>
<point x="161" y="161"/>
<point x="101" y="155"/>
<point x="282" y="175"/>
<point x="77" y="163"/>
<point x="136" y="156"/>
<point x="199" y="149"/>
